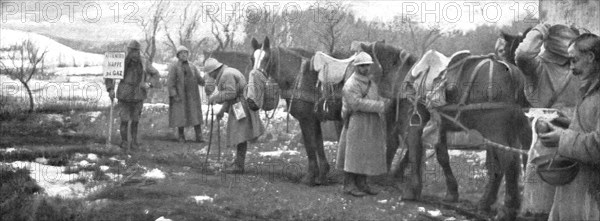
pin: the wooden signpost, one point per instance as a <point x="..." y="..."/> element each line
<point x="113" y="68"/>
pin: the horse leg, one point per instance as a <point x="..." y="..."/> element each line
<point x="415" y="161"/>
<point x="392" y="140"/>
<point x="397" y="170"/>
<point x="321" y="157"/>
<point x="511" y="168"/>
<point x="441" y="151"/>
<point x="525" y="138"/>
<point x="494" y="174"/>
<point x="309" y="136"/>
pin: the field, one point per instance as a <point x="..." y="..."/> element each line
<point x="167" y="179"/>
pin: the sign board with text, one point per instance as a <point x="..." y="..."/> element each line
<point x="114" y="65"/>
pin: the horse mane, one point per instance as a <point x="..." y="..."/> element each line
<point x="235" y="59"/>
<point x="512" y="42"/>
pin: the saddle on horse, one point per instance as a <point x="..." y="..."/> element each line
<point x="332" y="73"/>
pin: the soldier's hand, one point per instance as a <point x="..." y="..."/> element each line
<point x="220" y="115"/>
<point x="146" y="85"/>
<point x="387" y="103"/>
<point x="543" y="29"/>
<point x="111" y="94"/>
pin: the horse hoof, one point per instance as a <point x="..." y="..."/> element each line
<point x="411" y="195"/>
<point x="309" y="180"/>
<point x="484" y="209"/>
<point x="321" y="181"/>
<point x="506" y="214"/>
<point x="451" y="198"/>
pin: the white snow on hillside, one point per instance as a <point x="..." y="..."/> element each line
<point x="58" y="54"/>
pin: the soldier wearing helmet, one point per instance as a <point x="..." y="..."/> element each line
<point x="362" y="149"/>
<point x="543" y="58"/>
<point x="185" y="108"/>
<point x="131" y="92"/>
<point x="230" y="84"/>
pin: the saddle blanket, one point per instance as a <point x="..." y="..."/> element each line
<point x="331" y="70"/>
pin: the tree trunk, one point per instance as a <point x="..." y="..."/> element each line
<point x="30" y="96"/>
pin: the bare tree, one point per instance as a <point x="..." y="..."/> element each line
<point x="421" y="38"/>
<point x="25" y="58"/>
<point x="330" y="23"/>
<point x="223" y="31"/>
<point x="188" y="25"/>
<point x="273" y="25"/>
<point x="151" y="27"/>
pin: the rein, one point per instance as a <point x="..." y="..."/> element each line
<point x="266" y="73"/>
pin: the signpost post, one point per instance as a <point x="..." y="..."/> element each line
<point x="113" y="68"/>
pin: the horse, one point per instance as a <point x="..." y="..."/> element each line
<point x="493" y="92"/>
<point x="290" y="68"/>
<point x="512" y="42"/>
<point x="294" y="74"/>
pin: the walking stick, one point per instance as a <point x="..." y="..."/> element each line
<point x="110" y="123"/>
<point x="207" y="114"/>
<point x="212" y="116"/>
<point x="219" y="139"/>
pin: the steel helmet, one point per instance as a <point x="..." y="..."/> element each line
<point x="557" y="43"/>
<point x="134" y="44"/>
<point x="363" y="58"/>
<point x="211" y="65"/>
<point x="182" y="48"/>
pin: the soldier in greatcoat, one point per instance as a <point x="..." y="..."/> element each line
<point x="185" y="107"/>
<point x="548" y="85"/>
<point x="230" y="85"/>
<point x="361" y="150"/>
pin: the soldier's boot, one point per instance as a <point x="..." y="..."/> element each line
<point x="361" y="182"/>
<point x="198" y="130"/>
<point x="181" y="134"/>
<point x="240" y="158"/>
<point x="134" y="138"/>
<point x="124" y="127"/>
<point x="350" y="187"/>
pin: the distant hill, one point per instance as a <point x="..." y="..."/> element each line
<point x="58" y="55"/>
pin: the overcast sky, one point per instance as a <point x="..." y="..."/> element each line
<point x="464" y="15"/>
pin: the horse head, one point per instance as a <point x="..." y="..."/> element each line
<point x="261" y="60"/>
<point x="390" y="66"/>
<point x="511" y="42"/>
<point x="273" y="64"/>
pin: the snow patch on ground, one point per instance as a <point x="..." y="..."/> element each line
<point x="54" y="181"/>
<point x="155" y="174"/>
<point x="278" y="153"/>
<point x="202" y="199"/>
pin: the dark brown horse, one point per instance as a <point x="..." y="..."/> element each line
<point x="486" y="95"/>
<point x="291" y="69"/>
